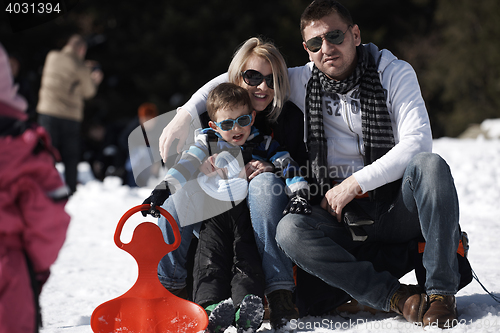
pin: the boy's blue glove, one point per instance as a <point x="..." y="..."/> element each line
<point x="298" y="204"/>
<point x="157" y="198"/>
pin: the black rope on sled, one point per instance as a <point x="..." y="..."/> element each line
<point x="496" y="298"/>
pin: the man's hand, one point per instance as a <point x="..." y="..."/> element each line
<point x="178" y="129"/>
<point x="157" y="198"/>
<point x="255" y="167"/>
<point x="298" y="204"/>
<point x="339" y="196"/>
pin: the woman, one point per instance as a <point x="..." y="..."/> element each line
<point x="258" y="67"/>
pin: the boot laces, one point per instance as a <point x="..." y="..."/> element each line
<point x="435" y="297"/>
<point x="395" y="301"/>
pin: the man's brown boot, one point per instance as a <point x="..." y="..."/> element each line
<point x="407" y="302"/>
<point x="442" y="311"/>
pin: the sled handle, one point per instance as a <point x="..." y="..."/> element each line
<point x="140" y="208"/>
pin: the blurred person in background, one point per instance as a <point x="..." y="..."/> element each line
<point x="101" y="150"/>
<point x="67" y="80"/>
<point x="33" y="222"/>
<point x="139" y="155"/>
<point x="24" y="82"/>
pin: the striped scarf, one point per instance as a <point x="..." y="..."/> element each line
<point x="378" y="137"/>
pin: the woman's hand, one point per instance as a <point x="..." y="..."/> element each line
<point x="339" y="196"/>
<point x="254" y="167"/>
<point x="178" y="129"/>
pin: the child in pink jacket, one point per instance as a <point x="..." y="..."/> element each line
<point x="33" y="222"/>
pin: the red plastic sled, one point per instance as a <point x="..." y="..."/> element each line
<point x="148" y="306"/>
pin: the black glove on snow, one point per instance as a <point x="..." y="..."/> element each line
<point x="298" y="204"/>
<point x="157" y="198"/>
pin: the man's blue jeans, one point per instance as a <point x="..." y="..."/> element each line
<point x="267" y="200"/>
<point x="427" y="206"/>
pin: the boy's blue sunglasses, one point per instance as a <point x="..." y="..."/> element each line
<point x="228" y="124"/>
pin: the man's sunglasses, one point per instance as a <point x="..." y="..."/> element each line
<point x="334" y="37"/>
<point x="228" y="124"/>
<point x="254" y="78"/>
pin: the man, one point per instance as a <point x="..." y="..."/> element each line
<point x="368" y="133"/>
<point x="67" y="80"/>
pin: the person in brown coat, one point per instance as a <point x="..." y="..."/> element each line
<point x="67" y="80"/>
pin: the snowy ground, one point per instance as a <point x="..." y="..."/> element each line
<point x="91" y="270"/>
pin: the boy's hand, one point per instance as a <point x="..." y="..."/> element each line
<point x="157" y="198"/>
<point x="255" y="167"/>
<point x="298" y="204"/>
<point x="209" y="168"/>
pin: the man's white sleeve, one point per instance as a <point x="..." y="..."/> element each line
<point x="410" y="123"/>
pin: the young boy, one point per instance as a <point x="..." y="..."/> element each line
<point x="227" y="270"/>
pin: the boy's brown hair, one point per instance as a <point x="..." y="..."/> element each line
<point x="226" y="96"/>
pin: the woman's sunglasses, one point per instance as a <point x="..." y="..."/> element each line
<point x="228" y="124"/>
<point x="254" y="78"/>
<point x="335" y="37"/>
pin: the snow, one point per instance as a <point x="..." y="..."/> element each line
<point x="91" y="269"/>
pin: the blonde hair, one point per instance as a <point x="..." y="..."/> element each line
<point x="268" y="51"/>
